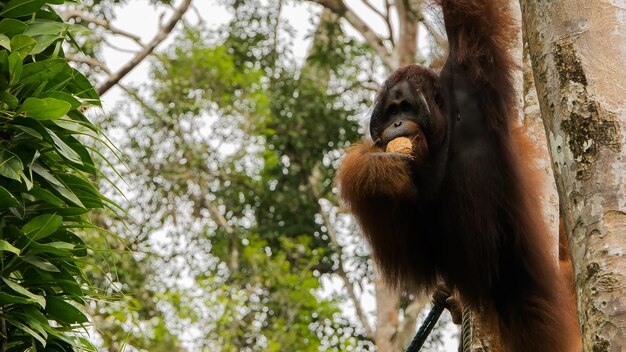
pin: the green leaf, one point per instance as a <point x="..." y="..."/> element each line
<point x="64" y="149"/>
<point x="15" y="68"/>
<point x="42" y="226"/>
<point x="7" y="247"/>
<point x="11" y="27"/>
<point x="61" y="245"/>
<point x="4" y="69"/>
<point x="34" y="318"/>
<point x="87" y="163"/>
<point x="30" y="331"/>
<point x="43" y="42"/>
<point x="74" y="103"/>
<point x="41" y="263"/>
<point x="41" y="71"/>
<point x="72" y="288"/>
<point x="9" y="99"/>
<point x="22" y="44"/>
<point x="36" y="248"/>
<point x="47" y="196"/>
<point x="27" y="180"/>
<point x="32" y="132"/>
<point x="84" y="190"/>
<point x="69" y="237"/>
<point x="56" y="184"/>
<point x="82" y="88"/>
<point x="69" y="211"/>
<point x="6" y="298"/>
<point x="10" y="165"/>
<point x="76" y="127"/>
<point x="19" y="8"/>
<point x="5" y="42"/>
<point x="63" y="311"/>
<point x="46" y="28"/>
<point x="59" y="82"/>
<point x="46" y="108"/>
<point x="46" y="33"/>
<point x="24" y="292"/>
<point x="7" y="200"/>
<point x="32" y="124"/>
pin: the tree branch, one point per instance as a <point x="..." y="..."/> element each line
<point x="164" y="31"/>
<point x="93" y="62"/>
<point x="372" y="38"/>
<point x="407" y="37"/>
<point x="217" y="216"/>
<point x="406" y="328"/>
<point x="385" y="17"/>
<point x="118" y="48"/>
<point x="314" y="180"/>
<point x="373" y="8"/>
<point x="69" y="14"/>
<point x="388" y="22"/>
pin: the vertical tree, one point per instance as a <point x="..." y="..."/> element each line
<point x="577" y="50"/>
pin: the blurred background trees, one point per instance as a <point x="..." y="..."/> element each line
<point x="234" y="239"/>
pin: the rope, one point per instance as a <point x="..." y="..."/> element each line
<point x="467" y="333"/>
<point x="429" y="323"/>
<point x="426" y="328"/>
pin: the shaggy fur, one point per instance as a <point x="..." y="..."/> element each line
<point x="464" y="209"/>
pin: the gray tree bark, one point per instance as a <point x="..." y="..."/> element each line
<point x="577" y="48"/>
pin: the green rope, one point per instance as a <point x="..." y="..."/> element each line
<point x="429" y="323"/>
<point x="426" y="328"/>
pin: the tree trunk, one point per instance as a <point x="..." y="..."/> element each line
<point x="577" y="48"/>
<point x="534" y="129"/>
<point x="406" y="45"/>
<point x="387" y="315"/>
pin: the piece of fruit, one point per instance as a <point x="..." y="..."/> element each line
<point x="400" y="145"/>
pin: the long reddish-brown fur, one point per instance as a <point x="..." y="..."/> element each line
<point x="465" y="209"/>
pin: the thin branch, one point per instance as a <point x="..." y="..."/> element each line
<point x="164" y="31"/>
<point x="360" y="25"/>
<point x="388" y="22"/>
<point x="384" y="16"/>
<point x="217" y="216"/>
<point x="198" y="14"/>
<point x="439" y="38"/>
<point x="118" y="48"/>
<point x="374" y="8"/>
<point x="406" y="328"/>
<point x="373" y="86"/>
<point x="314" y="180"/>
<point x="93" y="62"/>
<point x="66" y="15"/>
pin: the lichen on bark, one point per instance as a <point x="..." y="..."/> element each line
<point x="589" y="126"/>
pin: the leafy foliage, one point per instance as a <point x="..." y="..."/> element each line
<point x="221" y="153"/>
<point x="46" y="187"/>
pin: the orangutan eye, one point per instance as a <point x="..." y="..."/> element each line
<point x="405" y="106"/>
